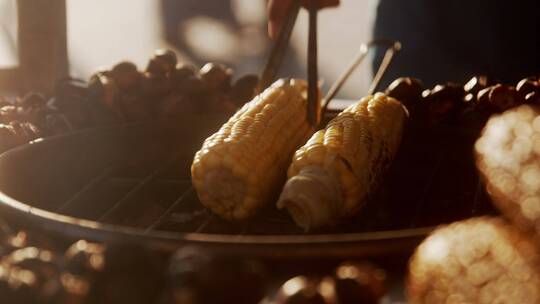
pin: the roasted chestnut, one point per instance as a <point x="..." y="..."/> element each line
<point x="203" y="279"/>
<point x="162" y="63"/>
<point x="167" y="58"/>
<point x="17" y="286"/>
<point x="103" y="89"/>
<point x="482" y="99"/>
<point x="408" y="90"/>
<point x="218" y="103"/>
<point x="8" y="113"/>
<point x="194" y="86"/>
<point x="244" y="89"/>
<point x="96" y="85"/>
<point x="533" y="98"/>
<point x="526" y="86"/>
<point x="443" y="103"/>
<point x="216" y="76"/>
<point x="32" y="132"/>
<point x="181" y="72"/>
<point x="82" y="262"/>
<point x="39" y="119"/>
<point x="19" y="130"/>
<point x="155" y="68"/>
<point x="131" y="274"/>
<point x="33" y="100"/>
<point x="469" y="99"/>
<point x="14" y="241"/>
<point x="21" y="239"/>
<point x="31" y="270"/>
<point x="126" y="75"/>
<point x="74" y="289"/>
<point x="134" y="107"/>
<point x="70" y="88"/>
<point x="176" y="104"/>
<point x="503" y="97"/>
<point x="477" y="83"/>
<point x="84" y="258"/>
<point x="43" y="263"/>
<point x="10" y="137"/>
<point x="155" y="86"/>
<point x="358" y="283"/>
<point x="302" y="290"/>
<point x="450" y="91"/>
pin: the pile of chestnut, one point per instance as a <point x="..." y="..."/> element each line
<point x="33" y="270"/>
<point x="29" y="118"/>
<point x="468" y="105"/>
<point x="166" y="88"/>
<point x="350" y="283"/>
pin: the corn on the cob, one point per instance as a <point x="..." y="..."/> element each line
<point x="508" y="158"/>
<point x="331" y="175"/>
<point x="479" y="260"/>
<point x="240" y="167"/>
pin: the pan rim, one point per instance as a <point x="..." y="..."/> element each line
<point x="98" y="230"/>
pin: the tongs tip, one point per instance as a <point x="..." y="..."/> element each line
<point x="313" y="74"/>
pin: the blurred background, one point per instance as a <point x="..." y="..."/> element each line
<point x="233" y="32"/>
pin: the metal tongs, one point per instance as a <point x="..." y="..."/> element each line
<point x="280" y="46"/>
<point x="392" y="47"/>
<point x="278" y="53"/>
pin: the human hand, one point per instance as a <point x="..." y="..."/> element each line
<point x="277" y="11"/>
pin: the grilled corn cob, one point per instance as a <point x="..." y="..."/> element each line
<point x="240" y="167"/>
<point x="331" y="175"/>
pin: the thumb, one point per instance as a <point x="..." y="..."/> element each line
<point x="277" y="11"/>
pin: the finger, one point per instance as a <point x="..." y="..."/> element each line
<point x="321" y="3"/>
<point x="277" y="11"/>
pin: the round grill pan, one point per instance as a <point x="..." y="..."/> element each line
<point x="132" y="183"/>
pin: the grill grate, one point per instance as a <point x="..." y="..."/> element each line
<point x="158" y="196"/>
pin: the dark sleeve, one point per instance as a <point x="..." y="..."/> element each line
<point x="453" y="40"/>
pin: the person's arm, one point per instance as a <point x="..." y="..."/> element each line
<point x="277" y="10"/>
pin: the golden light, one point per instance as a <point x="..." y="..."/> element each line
<point x="210" y="38"/>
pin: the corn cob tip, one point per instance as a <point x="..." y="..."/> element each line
<point x="230" y="201"/>
<point x="312" y="198"/>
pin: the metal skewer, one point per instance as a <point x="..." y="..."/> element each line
<point x="313" y="77"/>
<point x="385" y="63"/>
<point x="280" y="47"/>
<point x="393" y="47"/>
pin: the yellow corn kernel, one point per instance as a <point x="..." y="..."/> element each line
<point x="331" y="175"/>
<point x="255" y="147"/>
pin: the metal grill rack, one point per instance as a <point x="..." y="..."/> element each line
<point x="134" y="181"/>
<point x="141" y="179"/>
<point x="158" y="197"/>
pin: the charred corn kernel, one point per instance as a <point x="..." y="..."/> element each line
<point x="479" y="260"/>
<point x="331" y="175"/>
<point x="241" y="166"/>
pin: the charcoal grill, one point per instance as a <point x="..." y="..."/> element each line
<point x="132" y="183"/>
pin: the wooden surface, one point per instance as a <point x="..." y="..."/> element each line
<point x="42" y="43"/>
